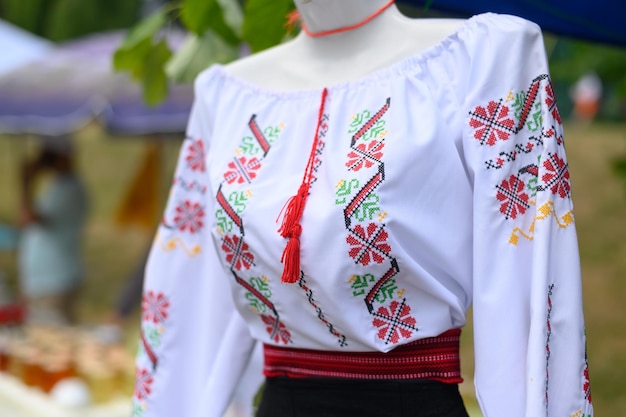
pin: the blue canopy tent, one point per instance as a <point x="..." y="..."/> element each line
<point x="601" y="21"/>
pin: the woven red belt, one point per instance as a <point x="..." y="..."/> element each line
<point x="434" y="358"/>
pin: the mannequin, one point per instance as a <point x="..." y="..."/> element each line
<point x="313" y="62"/>
<point x="343" y="200"/>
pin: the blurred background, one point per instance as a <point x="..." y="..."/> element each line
<point x="105" y="86"/>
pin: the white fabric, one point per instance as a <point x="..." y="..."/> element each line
<point x="467" y="209"/>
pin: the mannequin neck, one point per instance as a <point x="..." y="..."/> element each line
<point x="321" y="17"/>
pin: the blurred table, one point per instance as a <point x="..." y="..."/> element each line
<point x="19" y="400"/>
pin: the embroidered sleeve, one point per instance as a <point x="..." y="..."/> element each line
<point x="529" y="331"/>
<point x="193" y="344"/>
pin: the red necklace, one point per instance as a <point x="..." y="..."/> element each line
<point x="347" y="28"/>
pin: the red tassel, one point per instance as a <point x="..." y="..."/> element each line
<point x="292" y="213"/>
<point x="291" y="260"/>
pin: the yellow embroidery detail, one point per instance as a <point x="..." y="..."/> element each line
<point x="383" y="134"/>
<point x="382" y="215"/>
<point x="352" y="279"/>
<point x="510" y="96"/>
<point x="248" y="193"/>
<point x="238" y="152"/>
<point x="264" y="278"/>
<point x="578" y="413"/>
<point x="401" y="292"/>
<point x="176" y="243"/>
<point x="340" y="184"/>
<point x="544" y="212"/>
<point x="281" y="125"/>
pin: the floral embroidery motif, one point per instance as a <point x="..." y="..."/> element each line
<point x="276" y="329"/>
<point x="155" y="312"/>
<point x="231" y="204"/>
<point x="367" y="240"/>
<point x="154" y="307"/>
<point x="195" y="155"/>
<point x="511" y="193"/>
<point x="536" y="122"/>
<point x="556" y="177"/>
<point x="395" y="322"/>
<point x="143" y="383"/>
<point x="238" y="253"/>
<point x="368" y="245"/>
<point x="492" y="123"/>
<point x="242" y="170"/>
<point x="189" y="216"/>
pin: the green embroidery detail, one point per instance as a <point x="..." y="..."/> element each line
<point x="537" y="118"/>
<point x="137" y="409"/>
<point x="358" y="119"/>
<point x="249" y="145"/>
<point x="386" y="291"/>
<point x="260" y="284"/>
<point x="153" y="336"/>
<point x="224" y="222"/>
<point x="360" y="283"/>
<point x="344" y="189"/>
<point x="533" y="183"/>
<point x="238" y="201"/>
<point x="271" y="133"/>
<point x="518" y="104"/>
<point x="376" y="130"/>
<point x="368" y="208"/>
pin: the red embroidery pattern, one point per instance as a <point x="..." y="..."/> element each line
<point x="195" y="155"/>
<point x="143" y="383"/>
<point x="536" y="123"/>
<point x="189" y="216"/>
<point x="320" y="314"/>
<point x="395" y="322"/>
<point x="368" y="241"/>
<point x="365" y="155"/>
<point x="242" y="170"/>
<point x="551" y="103"/>
<point x="511" y="193"/>
<point x="368" y="245"/>
<point x="277" y="330"/>
<point x="556" y="177"/>
<point x="155" y="307"/>
<point x="237" y="254"/>
<point x="492" y="123"/>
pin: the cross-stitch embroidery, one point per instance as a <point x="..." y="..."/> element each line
<point x="533" y="113"/>
<point x="231" y="204"/>
<point x="367" y="239"/>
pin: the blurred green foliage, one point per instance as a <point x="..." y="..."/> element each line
<point x="60" y="20"/>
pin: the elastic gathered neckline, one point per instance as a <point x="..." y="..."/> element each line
<point x="401" y="67"/>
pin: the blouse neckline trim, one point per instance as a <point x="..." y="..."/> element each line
<point x="400" y="67"/>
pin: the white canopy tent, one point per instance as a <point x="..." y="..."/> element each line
<point x="19" y="47"/>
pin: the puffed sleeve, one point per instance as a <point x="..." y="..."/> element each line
<point x="193" y="345"/>
<point x="530" y="357"/>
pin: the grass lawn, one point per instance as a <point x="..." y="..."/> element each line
<point x="108" y="164"/>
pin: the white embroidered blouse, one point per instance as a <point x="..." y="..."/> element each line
<point x="439" y="183"/>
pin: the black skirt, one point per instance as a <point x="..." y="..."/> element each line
<point x="329" y="397"/>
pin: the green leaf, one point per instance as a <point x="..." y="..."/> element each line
<point x="264" y="22"/>
<point x="146" y="29"/>
<point x="155" y="85"/>
<point x="202" y="15"/>
<point x="128" y="59"/>
<point x="196" y="54"/>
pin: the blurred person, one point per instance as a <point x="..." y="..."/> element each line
<point x="586" y="94"/>
<point x="52" y="222"/>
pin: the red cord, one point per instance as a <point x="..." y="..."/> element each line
<point x="347" y="28"/>
<point x="292" y="212"/>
